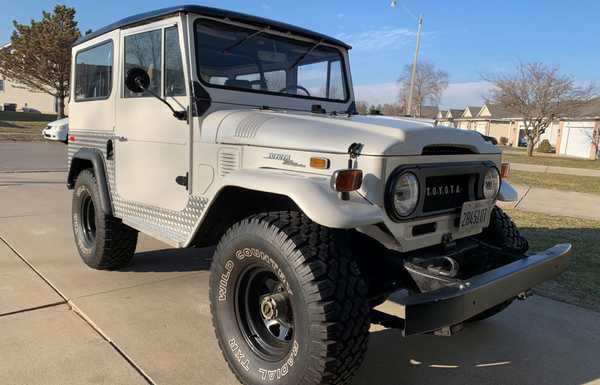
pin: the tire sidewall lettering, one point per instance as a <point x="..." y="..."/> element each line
<point x="77" y="221"/>
<point x="239" y="352"/>
<point x="252" y="252"/>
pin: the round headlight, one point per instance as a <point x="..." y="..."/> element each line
<point x="405" y="194"/>
<point x="491" y="183"/>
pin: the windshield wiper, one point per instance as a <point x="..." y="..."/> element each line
<point x="242" y="41"/>
<point x="305" y="54"/>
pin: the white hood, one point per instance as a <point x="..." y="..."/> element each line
<point x="334" y="134"/>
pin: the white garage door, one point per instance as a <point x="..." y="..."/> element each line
<point x="577" y="139"/>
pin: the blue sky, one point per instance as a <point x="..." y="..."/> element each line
<point x="465" y="38"/>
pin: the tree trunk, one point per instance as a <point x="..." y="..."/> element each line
<point x="60" y="106"/>
<point x="530" y="147"/>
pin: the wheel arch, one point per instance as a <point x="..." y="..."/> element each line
<point x="248" y="192"/>
<point x="231" y="205"/>
<point x="89" y="158"/>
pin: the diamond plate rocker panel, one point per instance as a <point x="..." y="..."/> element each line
<point x="171" y="225"/>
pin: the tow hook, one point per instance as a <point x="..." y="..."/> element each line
<point x="524" y="295"/>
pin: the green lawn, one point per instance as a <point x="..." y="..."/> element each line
<point x="585" y="184"/>
<point x="22" y="130"/>
<point x="580" y="284"/>
<point x="549" y="160"/>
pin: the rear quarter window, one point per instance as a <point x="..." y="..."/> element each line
<point x="93" y="72"/>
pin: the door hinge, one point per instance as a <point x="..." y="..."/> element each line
<point x="182" y="180"/>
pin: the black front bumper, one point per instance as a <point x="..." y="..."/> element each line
<point x="434" y="310"/>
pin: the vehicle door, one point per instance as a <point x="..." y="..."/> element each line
<point x="152" y="146"/>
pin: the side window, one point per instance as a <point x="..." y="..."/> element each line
<point x="93" y="72"/>
<point x="1" y="85"/>
<point x="174" y="79"/>
<point x="336" y="85"/>
<point x="144" y="50"/>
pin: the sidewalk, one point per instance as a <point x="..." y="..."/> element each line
<point x="556" y="202"/>
<point x="555" y="169"/>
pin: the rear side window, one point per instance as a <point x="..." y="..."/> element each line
<point x="93" y="72"/>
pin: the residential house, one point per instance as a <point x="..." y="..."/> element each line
<point x="22" y="99"/>
<point x="467" y="120"/>
<point x="579" y="135"/>
<point x="441" y="115"/>
<point x="499" y="122"/>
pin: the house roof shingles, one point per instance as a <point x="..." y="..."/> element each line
<point x="499" y="111"/>
<point x="589" y="110"/>
<point x="474" y="110"/>
<point x="456" y="113"/>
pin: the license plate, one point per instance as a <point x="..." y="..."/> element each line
<point x="475" y="214"/>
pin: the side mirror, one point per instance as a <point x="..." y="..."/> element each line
<point x="137" y="80"/>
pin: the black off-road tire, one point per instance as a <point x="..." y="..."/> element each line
<point x="502" y="232"/>
<point x="324" y="289"/>
<point x="111" y="244"/>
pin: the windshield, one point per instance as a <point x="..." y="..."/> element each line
<point x="254" y="60"/>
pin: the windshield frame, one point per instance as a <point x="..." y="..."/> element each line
<point x="268" y="31"/>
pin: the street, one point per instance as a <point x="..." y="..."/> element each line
<point x="63" y="323"/>
<point x="33" y="156"/>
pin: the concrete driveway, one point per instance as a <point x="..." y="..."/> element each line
<point x="63" y="323"/>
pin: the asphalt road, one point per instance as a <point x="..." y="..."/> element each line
<point x="33" y="156"/>
<point x="63" y="323"/>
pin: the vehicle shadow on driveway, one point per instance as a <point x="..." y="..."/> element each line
<point x="171" y="260"/>
<point x="519" y="346"/>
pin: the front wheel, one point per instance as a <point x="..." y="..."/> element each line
<point x="288" y="303"/>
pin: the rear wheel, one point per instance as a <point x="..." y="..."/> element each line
<point x="103" y="241"/>
<point x="288" y="303"/>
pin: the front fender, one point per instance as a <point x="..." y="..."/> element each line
<point x="312" y="194"/>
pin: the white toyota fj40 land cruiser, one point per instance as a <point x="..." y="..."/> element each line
<point x="201" y="126"/>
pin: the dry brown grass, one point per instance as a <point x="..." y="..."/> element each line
<point x="580" y="284"/>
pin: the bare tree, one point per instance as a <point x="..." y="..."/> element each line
<point x="393" y="109"/>
<point x="430" y="83"/>
<point x="362" y="107"/>
<point x="539" y="94"/>
<point x="39" y="55"/>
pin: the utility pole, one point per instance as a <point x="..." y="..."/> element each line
<point x="413" y="75"/>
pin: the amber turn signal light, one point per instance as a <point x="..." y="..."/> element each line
<point x="320" y="163"/>
<point x="505" y="170"/>
<point x="347" y="180"/>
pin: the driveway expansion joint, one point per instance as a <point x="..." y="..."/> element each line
<point x="80" y="314"/>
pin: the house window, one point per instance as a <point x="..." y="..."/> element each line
<point x="93" y="72"/>
<point x="1" y="85"/>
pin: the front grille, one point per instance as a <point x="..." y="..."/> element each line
<point x="447" y="192"/>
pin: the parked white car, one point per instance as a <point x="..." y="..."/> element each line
<point x="57" y="130"/>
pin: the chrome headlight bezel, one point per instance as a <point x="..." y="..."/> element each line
<point x="414" y="188"/>
<point x="491" y="183"/>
